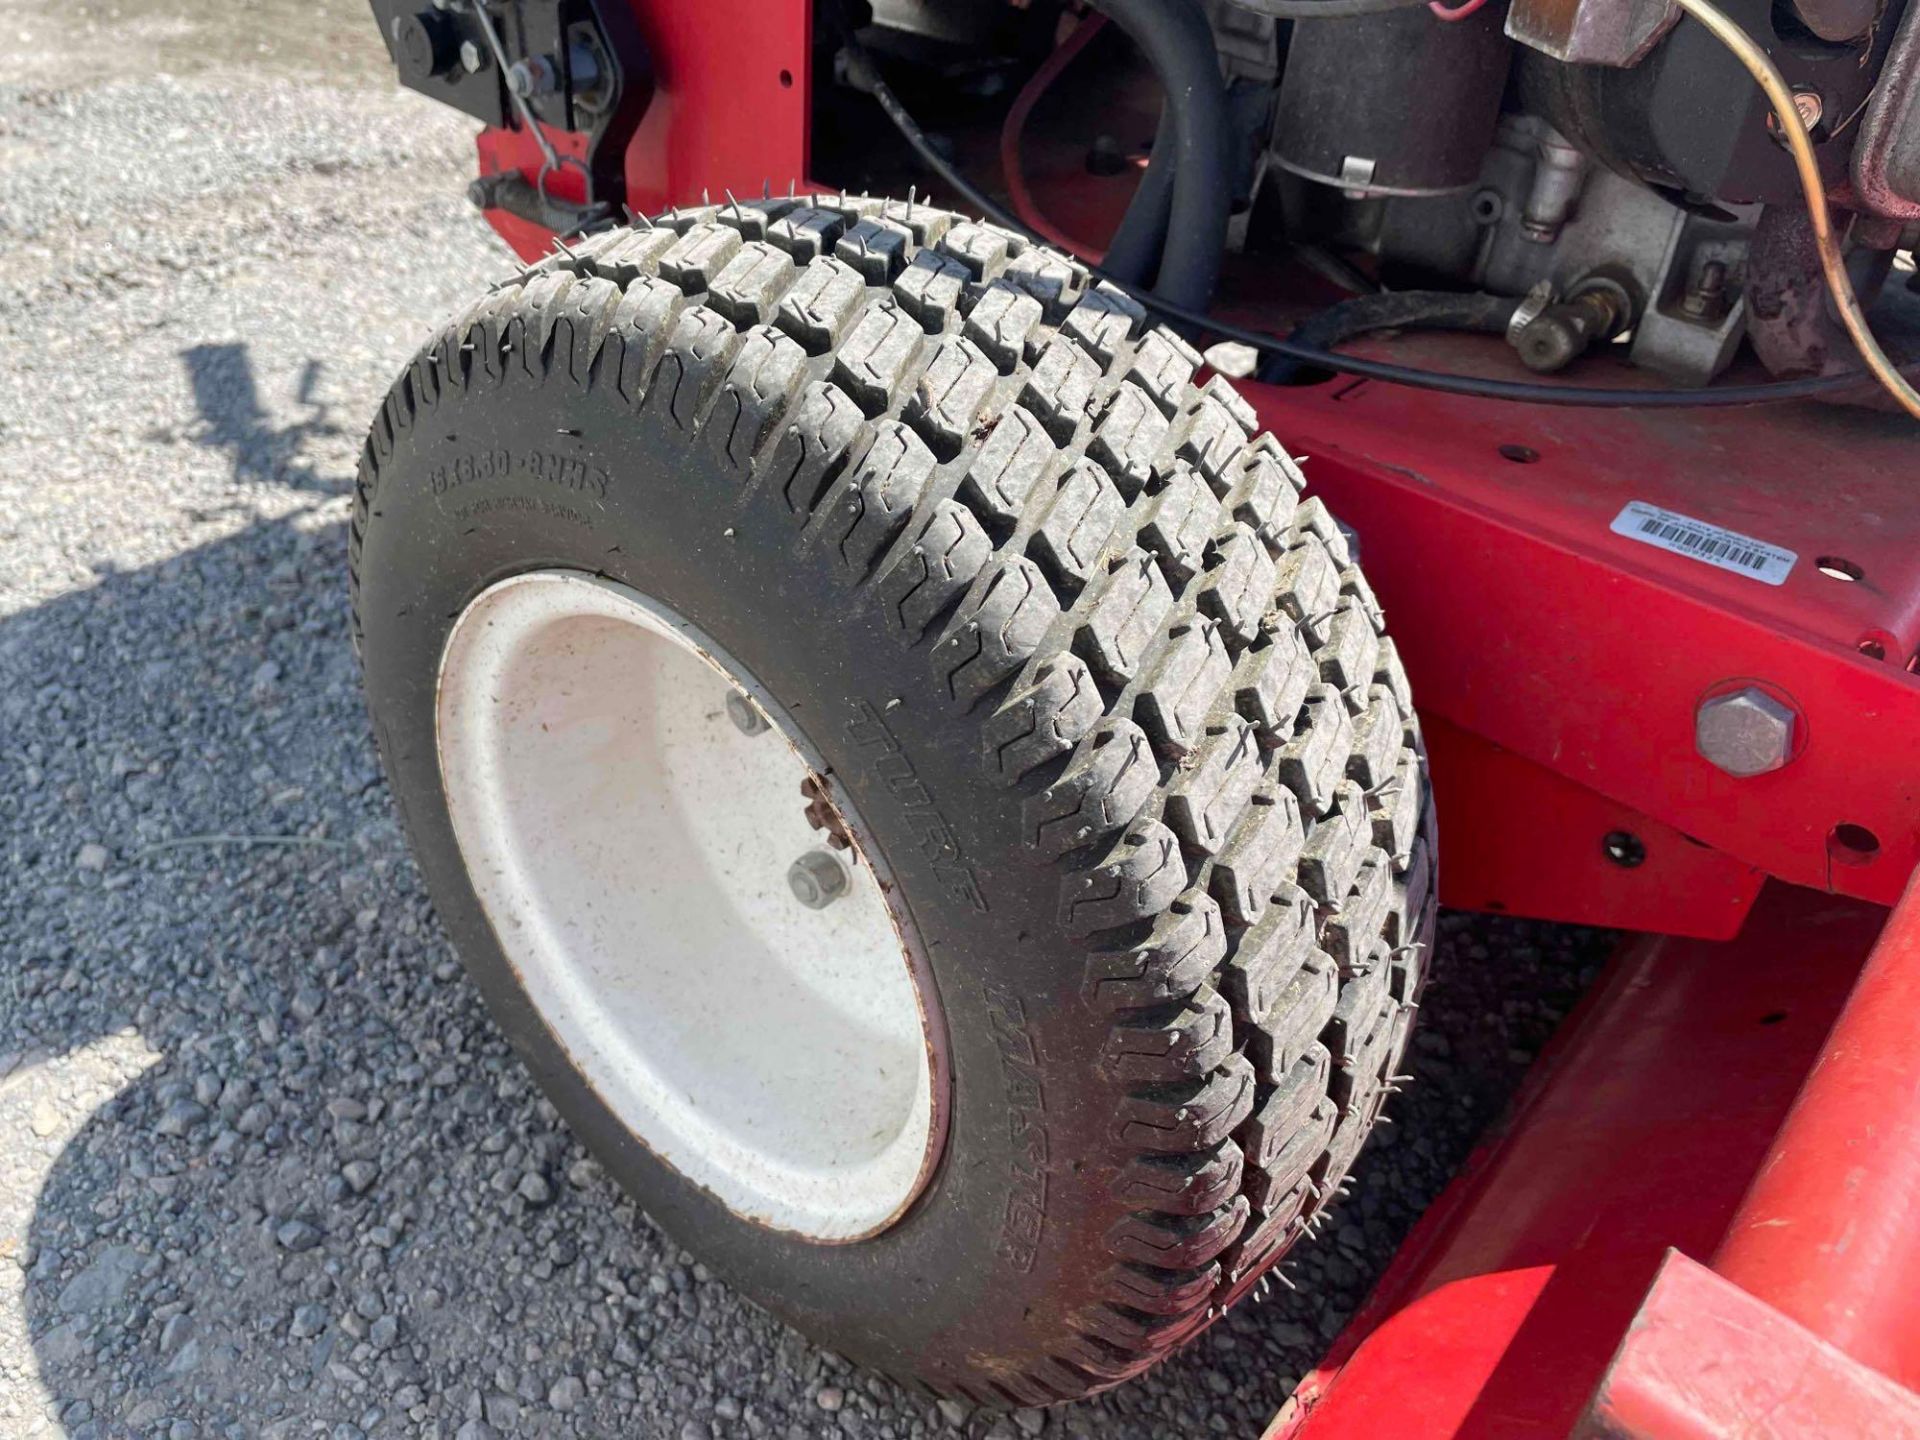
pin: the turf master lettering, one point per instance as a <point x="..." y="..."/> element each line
<point x="937" y="842"/>
<point x="1026" y="1208"/>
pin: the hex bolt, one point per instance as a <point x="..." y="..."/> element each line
<point x="817" y="879"/>
<point x="1745" y="732"/>
<point x="535" y="75"/>
<point x="472" y="57"/>
<point x="745" y="715"/>
<point x="1706" y="298"/>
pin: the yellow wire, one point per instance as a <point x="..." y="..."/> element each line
<point x="1800" y="143"/>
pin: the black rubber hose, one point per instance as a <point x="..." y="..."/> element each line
<point x="1178" y="42"/>
<point x="1392" y="310"/>
<point x="1405" y="310"/>
<point x="1134" y="252"/>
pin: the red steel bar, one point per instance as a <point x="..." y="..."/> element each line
<point x="1829" y="1232"/>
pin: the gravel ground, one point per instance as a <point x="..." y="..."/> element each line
<point x="267" y="1167"/>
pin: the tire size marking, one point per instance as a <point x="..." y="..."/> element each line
<point x="1704" y="541"/>
<point x="1025" y="1214"/>
<point x="563" y="472"/>
<point x="937" y="841"/>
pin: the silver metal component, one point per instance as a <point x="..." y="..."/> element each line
<point x="1531" y="307"/>
<point x="745" y="715"/>
<point x="1808" y="105"/>
<point x="471" y="57"/>
<point x="535" y="75"/>
<point x="1592" y="32"/>
<point x="1559" y="173"/>
<point x="1356" y="176"/>
<point x="817" y="879"/>
<point x="1745" y="732"/>
<point x="1698" y="311"/>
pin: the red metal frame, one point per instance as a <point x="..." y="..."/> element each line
<point x="1641" y="1132"/>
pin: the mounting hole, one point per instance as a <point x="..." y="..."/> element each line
<point x="1836" y="567"/>
<point x="1773" y="1017"/>
<point x="1519" y="454"/>
<point x="1849" y="844"/>
<point x="1624" y="849"/>
<point x="1872" y="648"/>
<point x="1486" y="206"/>
<point x="786" y="79"/>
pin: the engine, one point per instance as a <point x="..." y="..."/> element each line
<point x="1611" y="176"/>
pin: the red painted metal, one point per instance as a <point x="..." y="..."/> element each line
<point x="1525" y="621"/>
<point x="731" y="103"/>
<point x="1639" y="1130"/>
<point x="504" y="151"/>
<point x="1830" y="1232"/>
<point x="1546" y="854"/>
<point x="1704" y="1360"/>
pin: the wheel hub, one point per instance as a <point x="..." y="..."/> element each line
<point x="632" y="836"/>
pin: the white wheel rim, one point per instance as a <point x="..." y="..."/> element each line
<point x="630" y="846"/>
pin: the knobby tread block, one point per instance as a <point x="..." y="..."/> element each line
<point x="1177" y="670"/>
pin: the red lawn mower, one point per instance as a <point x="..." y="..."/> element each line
<point x="950" y="807"/>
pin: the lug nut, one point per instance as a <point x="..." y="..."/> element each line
<point x="817" y="879"/>
<point x="1745" y="732"/>
<point x="745" y="715"/>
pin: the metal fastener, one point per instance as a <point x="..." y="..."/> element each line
<point x="1745" y="732"/>
<point x="817" y="879"/>
<point x="745" y="714"/>
<point x="472" y="57"/>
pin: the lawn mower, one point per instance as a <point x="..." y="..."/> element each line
<point x="953" y="810"/>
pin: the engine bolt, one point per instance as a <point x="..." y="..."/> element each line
<point x="817" y="879"/>
<point x="471" y="57"/>
<point x="745" y="715"/>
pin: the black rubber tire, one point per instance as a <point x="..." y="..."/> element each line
<point x="1167" y="834"/>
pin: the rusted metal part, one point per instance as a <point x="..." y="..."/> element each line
<point x="1886" y="159"/>
<point x="824" y="815"/>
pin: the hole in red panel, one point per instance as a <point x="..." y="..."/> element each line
<point x="786" y="79"/>
<point x="1838" y="567"/>
<point x="1773" y="1017"/>
<point x="1873" y="649"/>
<point x="1849" y="844"/>
<point x="1624" y="849"/>
<point x="1519" y="454"/>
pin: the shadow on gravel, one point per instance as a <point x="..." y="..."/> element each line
<point x="233" y="420"/>
<point x="272" y="1171"/>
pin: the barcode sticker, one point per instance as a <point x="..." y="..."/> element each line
<point x="1713" y="544"/>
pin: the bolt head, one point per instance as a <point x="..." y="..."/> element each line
<point x="817" y="879"/>
<point x="471" y="57"/>
<point x="1745" y="732"/>
<point x="745" y="715"/>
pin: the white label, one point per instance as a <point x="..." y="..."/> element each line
<point x="1698" y="540"/>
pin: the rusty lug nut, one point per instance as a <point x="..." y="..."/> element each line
<point x="1745" y="732"/>
<point x="745" y="715"/>
<point x="817" y="879"/>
